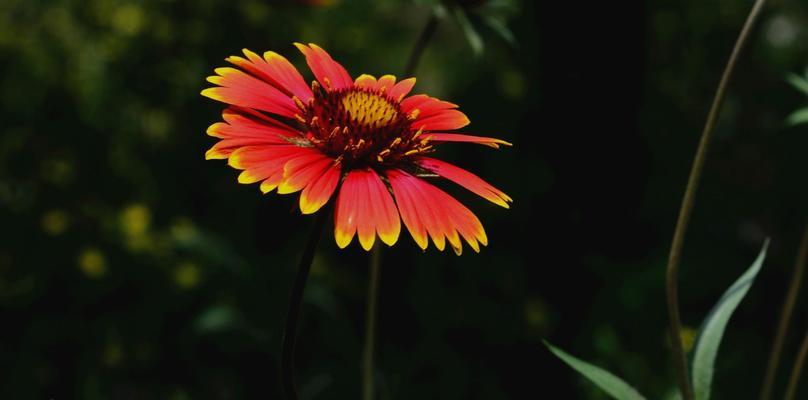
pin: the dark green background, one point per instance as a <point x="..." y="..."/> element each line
<point x="132" y="268"/>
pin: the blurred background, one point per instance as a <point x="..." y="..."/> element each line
<point x="131" y="268"/>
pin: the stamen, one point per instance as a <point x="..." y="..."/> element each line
<point x="299" y="103"/>
<point x="414" y="114"/>
<point x="300" y="118"/>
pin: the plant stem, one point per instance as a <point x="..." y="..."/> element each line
<point x="370" y="323"/>
<point x="376" y="253"/>
<point x="680" y="361"/>
<point x="785" y="318"/>
<point x="420" y="45"/>
<point x="793" y="381"/>
<point x="296" y="297"/>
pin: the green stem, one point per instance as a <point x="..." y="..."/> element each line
<point x="420" y="45"/>
<point x="296" y="298"/>
<point x="785" y="318"/>
<point x="370" y="323"/>
<point x="674" y="257"/>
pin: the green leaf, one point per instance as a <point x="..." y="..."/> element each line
<point x="798" y="117"/>
<point x="713" y="327"/>
<point x="605" y="380"/>
<point x="216" y="318"/>
<point x="499" y="26"/>
<point x="474" y="39"/>
<point x="799" y="82"/>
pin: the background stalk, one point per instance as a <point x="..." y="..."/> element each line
<point x="376" y="254"/>
<point x="785" y="317"/>
<point x="796" y="371"/>
<point x="296" y="298"/>
<point x="420" y="44"/>
<point x="674" y="257"/>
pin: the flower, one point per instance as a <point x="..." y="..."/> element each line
<point x="365" y="139"/>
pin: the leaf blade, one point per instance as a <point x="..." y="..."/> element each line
<point x="798" y="82"/>
<point x="712" y="331"/>
<point x="603" y="379"/>
<point x="798" y="117"/>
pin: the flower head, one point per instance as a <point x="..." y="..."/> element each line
<point x="364" y="138"/>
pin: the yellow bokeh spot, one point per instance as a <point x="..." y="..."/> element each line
<point x="512" y="84"/>
<point x="57" y="171"/>
<point x="54" y="222"/>
<point x="186" y="275"/>
<point x="135" y="220"/>
<point x="128" y="19"/>
<point x="156" y="124"/>
<point x="688" y="338"/>
<point x="92" y="262"/>
<point x="113" y="354"/>
<point x="183" y="230"/>
<point x="535" y="314"/>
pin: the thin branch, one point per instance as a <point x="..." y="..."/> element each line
<point x="785" y="318"/>
<point x="674" y="257"/>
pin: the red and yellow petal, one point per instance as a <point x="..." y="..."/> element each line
<point x="457" y="137"/>
<point x="365" y="208"/>
<point x="328" y="72"/>
<point x="466" y="179"/>
<point x="425" y="208"/>
<point x="386" y="83"/>
<point x="240" y="89"/>
<point x="366" y="81"/>
<point x="241" y="129"/>
<point x="319" y="190"/>
<point x="425" y="105"/>
<point x="408" y="207"/>
<point x="433" y="114"/>
<point x="301" y="171"/>
<point x="401" y="89"/>
<point x="275" y="70"/>
<point x="265" y="163"/>
<point x="444" y="120"/>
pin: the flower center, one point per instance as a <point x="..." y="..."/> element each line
<point x="368" y="109"/>
<point x="360" y="127"/>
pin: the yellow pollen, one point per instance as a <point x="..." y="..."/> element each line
<point x="369" y="109"/>
<point x="298" y="103"/>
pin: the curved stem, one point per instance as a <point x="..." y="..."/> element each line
<point x="680" y="361"/>
<point x="370" y="323"/>
<point x="785" y="318"/>
<point x="296" y="297"/>
<point x="794" y="380"/>
<point x="420" y="45"/>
